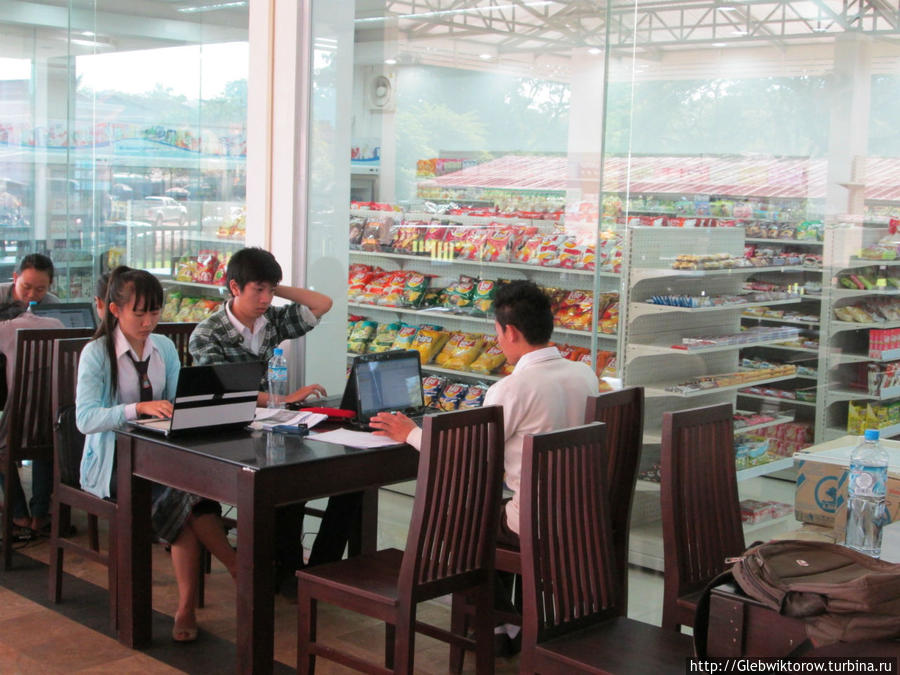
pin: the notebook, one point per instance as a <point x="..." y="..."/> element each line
<point x="71" y="314"/>
<point x="387" y="382"/>
<point x="221" y="396"/>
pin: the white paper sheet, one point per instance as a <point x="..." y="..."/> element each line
<point x="266" y="418"/>
<point x="353" y="439"/>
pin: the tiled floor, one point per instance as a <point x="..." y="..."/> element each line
<point x="35" y="639"/>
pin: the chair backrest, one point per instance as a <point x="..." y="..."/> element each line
<point x="29" y="412"/>
<point x="68" y="443"/>
<point x="622" y="411"/>
<point x="569" y="579"/>
<point x="180" y="334"/>
<point x="454" y="527"/>
<point x="701" y="513"/>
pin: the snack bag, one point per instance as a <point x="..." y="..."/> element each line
<point x="431" y="389"/>
<point x="357" y="226"/>
<point x="465" y="351"/>
<point x="588" y="258"/>
<point x="428" y="342"/>
<point x="489" y="360"/>
<point x="575" y="311"/>
<point x="185" y="267"/>
<point x="483" y="300"/>
<point x="374" y="289"/>
<point x="204" y="308"/>
<point x="474" y="397"/>
<point x="460" y="294"/>
<point x="548" y="253"/>
<point x="406" y="334"/>
<point x="570" y="253"/>
<point x="207" y="263"/>
<point x="359" y="276"/>
<point x="170" y="308"/>
<point x="414" y="291"/>
<point x="452" y="396"/>
<point x="496" y="247"/>
<point x="186" y="309"/>
<point x="447" y="351"/>
<point x="384" y="338"/>
<point x="359" y="338"/>
<point x="220" y="275"/>
<point x="528" y="253"/>
<point x="392" y="295"/>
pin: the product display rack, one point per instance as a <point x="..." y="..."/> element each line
<point x="848" y="346"/>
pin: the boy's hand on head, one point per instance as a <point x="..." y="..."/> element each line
<point x="155" y="408"/>
<point x="303" y="393"/>
<point x="395" y="426"/>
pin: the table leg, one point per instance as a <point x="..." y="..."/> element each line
<point x="364" y="535"/>
<point x="134" y="569"/>
<point x="255" y="576"/>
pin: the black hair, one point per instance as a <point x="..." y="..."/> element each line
<point x="102" y="286"/>
<point x="36" y="261"/>
<point x="138" y="287"/>
<point x="10" y="310"/>
<point x="524" y="305"/>
<point x="252" y="264"/>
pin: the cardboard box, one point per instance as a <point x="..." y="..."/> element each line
<point x="821" y="496"/>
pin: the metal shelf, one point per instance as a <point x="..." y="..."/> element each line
<point x="795" y="322"/>
<point x="637" y="351"/>
<point x="662" y="392"/>
<point x="780" y="419"/>
<point x="657" y="272"/>
<point x="481" y="263"/>
<point x="857" y="293"/>
<point x="642" y="308"/>
<point x="193" y="284"/>
<point x="836" y="395"/>
<point x="792" y="401"/>
<point x="765" y="469"/>
<point x="794" y="242"/>
<point x="431" y="368"/>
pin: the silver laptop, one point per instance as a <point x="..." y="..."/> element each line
<point x="221" y="396"/>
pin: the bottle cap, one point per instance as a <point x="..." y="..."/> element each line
<point x="279" y="351"/>
<point x="32" y="303"/>
<point x="871" y="434"/>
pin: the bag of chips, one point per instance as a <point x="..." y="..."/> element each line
<point x="428" y="343"/>
<point x="186" y="309"/>
<point x="461" y="293"/>
<point x="451" y="396"/>
<point x="405" y="336"/>
<point x="483" y="299"/>
<point x="185" y="268"/>
<point x="489" y="360"/>
<point x="496" y="246"/>
<point x="431" y="389"/>
<point x="363" y="331"/>
<point x="414" y="291"/>
<point x="575" y="311"/>
<point x="384" y="337"/>
<point x="170" y="308"/>
<point x="392" y="295"/>
<point x="448" y="348"/>
<point x="206" y="267"/>
<point x="464" y="352"/>
<point x="474" y="397"/>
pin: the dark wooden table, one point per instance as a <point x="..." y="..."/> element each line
<point x="239" y="469"/>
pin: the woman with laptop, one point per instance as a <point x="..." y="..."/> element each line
<point x="126" y="372"/>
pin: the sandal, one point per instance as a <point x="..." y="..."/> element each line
<point x="184" y="634"/>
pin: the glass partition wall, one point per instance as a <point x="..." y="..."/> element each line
<point x="123" y="140"/>
<point x="670" y="172"/>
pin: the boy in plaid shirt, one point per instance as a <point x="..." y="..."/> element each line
<point x="248" y="328"/>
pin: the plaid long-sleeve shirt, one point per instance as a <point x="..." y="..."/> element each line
<point x="215" y="340"/>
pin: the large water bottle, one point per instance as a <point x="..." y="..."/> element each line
<point x="278" y="379"/>
<point x="866" y="488"/>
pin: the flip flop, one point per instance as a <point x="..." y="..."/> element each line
<point x="184" y="634"/>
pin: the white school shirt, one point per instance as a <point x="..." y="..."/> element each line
<point x="545" y="392"/>
<point x="253" y="339"/>
<point x="129" y="386"/>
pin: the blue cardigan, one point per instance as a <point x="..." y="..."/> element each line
<point x="97" y="413"/>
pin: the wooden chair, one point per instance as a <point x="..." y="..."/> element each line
<point x="701" y="513"/>
<point x="623" y="413"/>
<point x="450" y="547"/>
<point x="28" y="416"/>
<point x="572" y="621"/>
<point x="180" y="334"/>
<point x="67" y="492"/>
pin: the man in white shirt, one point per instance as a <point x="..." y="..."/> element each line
<point x="545" y="392"/>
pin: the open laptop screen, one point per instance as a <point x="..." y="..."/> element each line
<point x="72" y="315"/>
<point x="391" y="382"/>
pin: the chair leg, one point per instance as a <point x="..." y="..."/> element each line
<point x="484" y="628"/>
<point x="8" y="500"/>
<point x="201" y="580"/>
<point x="54" y="590"/>
<point x="390" y="639"/>
<point x="306" y="631"/>
<point x="405" y="645"/>
<point x="459" y="625"/>
<point x="112" y="573"/>
<point x="93" y="535"/>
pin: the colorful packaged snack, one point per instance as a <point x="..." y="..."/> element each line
<point x="186" y="309"/>
<point x="451" y="396"/>
<point x="170" y="307"/>
<point x="374" y="289"/>
<point x="548" y="253"/>
<point x="384" y="337"/>
<point x="206" y="267"/>
<point x="185" y="268"/>
<point x="465" y="351"/>
<point x="448" y="348"/>
<point x="575" y="311"/>
<point x="431" y="389"/>
<point x="392" y="295"/>
<point x="490" y="359"/>
<point x="588" y="258"/>
<point x="461" y="293"/>
<point x="432" y="297"/>
<point x="496" y="247"/>
<point x="414" y="291"/>
<point x="357" y="226"/>
<point x="474" y="397"/>
<point x="406" y="334"/>
<point x="359" y="276"/>
<point x="483" y="300"/>
<point x="570" y="252"/>
<point x="428" y="342"/>
<point x="363" y="331"/>
<point x="204" y="308"/>
<point x="528" y="252"/>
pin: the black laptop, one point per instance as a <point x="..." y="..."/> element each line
<point x="71" y="314"/>
<point x="221" y="396"/>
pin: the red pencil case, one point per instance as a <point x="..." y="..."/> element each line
<point x="334" y="414"/>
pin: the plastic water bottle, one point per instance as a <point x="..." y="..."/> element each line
<point x="277" y="376"/>
<point x="31" y="304"/>
<point x="866" y="488"/>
